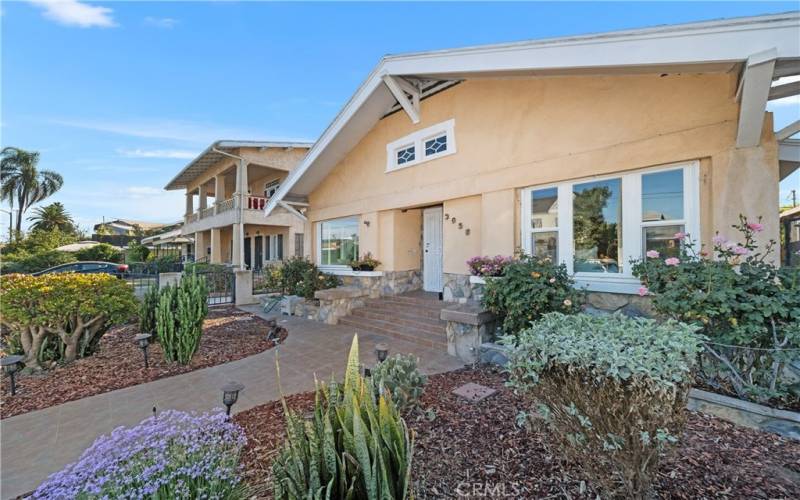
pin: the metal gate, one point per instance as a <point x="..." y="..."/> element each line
<point x="141" y="277"/>
<point x="221" y="285"/>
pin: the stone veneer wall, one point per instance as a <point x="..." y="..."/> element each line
<point x="457" y="288"/>
<point x="390" y="283"/>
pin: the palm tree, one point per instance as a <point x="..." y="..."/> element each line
<point x="52" y="216"/>
<point x="23" y="183"/>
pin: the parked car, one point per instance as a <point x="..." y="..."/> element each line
<point x="118" y="270"/>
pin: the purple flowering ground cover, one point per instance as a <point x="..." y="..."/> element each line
<point x="171" y="455"/>
<point x="229" y="334"/>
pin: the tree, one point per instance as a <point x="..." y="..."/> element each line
<point x="21" y="182"/>
<point x="52" y="216"/>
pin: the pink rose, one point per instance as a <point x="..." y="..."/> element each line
<point x="643" y="291"/>
<point x="738" y="250"/>
<point x="719" y="240"/>
<point x="755" y="226"/>
<point x="680" y="235"/>
<point x="552" y="280"/>
<point x="672" y="261"/>
<point x="653" y="254"/>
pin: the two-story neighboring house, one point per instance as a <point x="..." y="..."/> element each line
<point x="227" y="187"/>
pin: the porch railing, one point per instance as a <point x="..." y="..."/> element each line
<point x="256" y="202"/>
<point x="226" y="205"/>
<point x="207" y="212"/>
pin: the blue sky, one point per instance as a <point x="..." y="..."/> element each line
<point x="118" y="96"/>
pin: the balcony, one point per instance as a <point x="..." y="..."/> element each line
<point x="226" y="213"/>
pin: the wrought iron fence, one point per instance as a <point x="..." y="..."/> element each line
<point x="266" y="280"/>
<point x="221" y="285"/>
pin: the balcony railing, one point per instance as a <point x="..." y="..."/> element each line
<point x="256" y="202"/>
<point x="207" y="212"/>
<point x="226" y="205"/>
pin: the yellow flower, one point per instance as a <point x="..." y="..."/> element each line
<point x="536" y="275"/>
<point x="567" y="302"/>
<point x="733" y="321"/>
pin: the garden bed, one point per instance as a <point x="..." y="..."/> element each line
<point x="479" y="450"/>
<point x="228" y="334"/>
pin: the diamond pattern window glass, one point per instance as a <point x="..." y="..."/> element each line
<point x="406" y="155"/>
<point x="436" y="145"/>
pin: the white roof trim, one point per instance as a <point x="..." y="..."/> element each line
<point x="176" y="183"/>
<point x="722" y="41"/>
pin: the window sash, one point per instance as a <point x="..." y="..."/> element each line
<point x="320" y="232"/>
<point x="632" y="225"/>
<point x="417" y="140"/>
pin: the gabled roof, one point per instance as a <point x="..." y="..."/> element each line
<point x="210" y="157"/>
<point x="402" y="80"/>
<point x="131" y="223"/>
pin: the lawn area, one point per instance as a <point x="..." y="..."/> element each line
<point x="229" y="334"/>
<point x="480" y="448"/>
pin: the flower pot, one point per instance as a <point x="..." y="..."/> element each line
<point x="366" y="267"/>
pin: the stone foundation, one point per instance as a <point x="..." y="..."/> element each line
<point x="627" y="304"/>
<point x="457" y="288"/>
<point x="389" y="283"/>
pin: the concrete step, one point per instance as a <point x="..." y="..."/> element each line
<point x="437" y="340"/>
<point x="430" y="311"/>
<point x="404" y="318"/>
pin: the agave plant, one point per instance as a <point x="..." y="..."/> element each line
<point x="355" y="446"/>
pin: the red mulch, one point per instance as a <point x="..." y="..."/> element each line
<point x="228" y="334"/>
<point x="478" y="450"/>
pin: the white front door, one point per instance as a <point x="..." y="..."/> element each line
<point x="432" y="247"/>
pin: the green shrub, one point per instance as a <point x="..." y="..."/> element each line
<point x="613" y="390"/>
<point x="300" y="276"/>
<point x="147" y="310"/>
<point x="180" y="313"/>
<point x="24" y="262"/>
<point x="62" y="317"/>
<point x="355" y="446"/>
<point x="268" y="280"/>
<point x="530" y="287"/>
<point x="738" y="297"/>
<point x="167" y="263"/>
<point x="136" y="252"/>
<point x="401" y="377"/>
<point x="102" y="252"/>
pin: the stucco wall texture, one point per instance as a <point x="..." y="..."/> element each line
<point x="516" y="133"/>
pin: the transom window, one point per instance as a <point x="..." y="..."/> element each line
<point x="271" y="187"/>
<point x="596" y="227"/>
<point x="421" y="146"/>
<point x="337" y="241"/>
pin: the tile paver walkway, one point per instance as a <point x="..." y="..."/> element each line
<point x="39" y="443"/>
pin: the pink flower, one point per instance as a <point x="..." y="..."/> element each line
<point x="643" y="291"/>
<point x="755" y="226"/>
<point x="738" y="250"/>
<point x="653" y="254"/>
<point x="719" y="240"/>
<point x="552" y="280"/>
<point x="680" y="235"/>
<point x="672" y="261"/>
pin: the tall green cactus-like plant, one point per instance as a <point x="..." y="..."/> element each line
<point x="147" y="310"/>
<point x="356" y="445"/>
<point x="179" y="317"/>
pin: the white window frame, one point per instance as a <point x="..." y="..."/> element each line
<point x="632" y="224"/>
<point x="272" y="247"/>
<point x="333" y="267"/>
<point x="417" y="139"/>
<point x="269" y="185"/>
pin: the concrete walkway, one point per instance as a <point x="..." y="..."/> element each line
<point x="39" y="443"/>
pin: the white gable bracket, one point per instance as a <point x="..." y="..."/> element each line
<point x="399" y="88"/>
<point x="788" y="131"/>
<point x="755" y="85"/>
<point x="293" y="211"/>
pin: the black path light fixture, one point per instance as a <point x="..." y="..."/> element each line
<point x="11" y="365"/>
<point x="230" y="394"/>
<point x="381" y="351"/>
<point x="143" y="340"/>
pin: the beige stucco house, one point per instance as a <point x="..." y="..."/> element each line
<point x="589" y="149"/>
<point x="227" y="188"/>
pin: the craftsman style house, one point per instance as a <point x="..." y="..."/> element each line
<point x="232" y="181"/>
<point x="589" y="149"/>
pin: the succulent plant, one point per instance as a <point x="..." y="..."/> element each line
<point x="400" y="375"/>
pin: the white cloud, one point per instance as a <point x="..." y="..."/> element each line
<point x="180" y="154"/>
<point x="161" y="22"/>
<point x="75" y="13"/>
<point x="174" y="130"/>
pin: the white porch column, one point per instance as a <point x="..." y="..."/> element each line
<point x="203" y="200"/>
<point x="200" y="245"/>
<point x="237" y="252"/>
<point x="189" y="203"/>
<point x="216" y="246"/>
<point x="219" y="189"/>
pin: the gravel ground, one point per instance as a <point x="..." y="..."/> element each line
<point x="477" y="450"/>
<point x="228" y="334"/>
